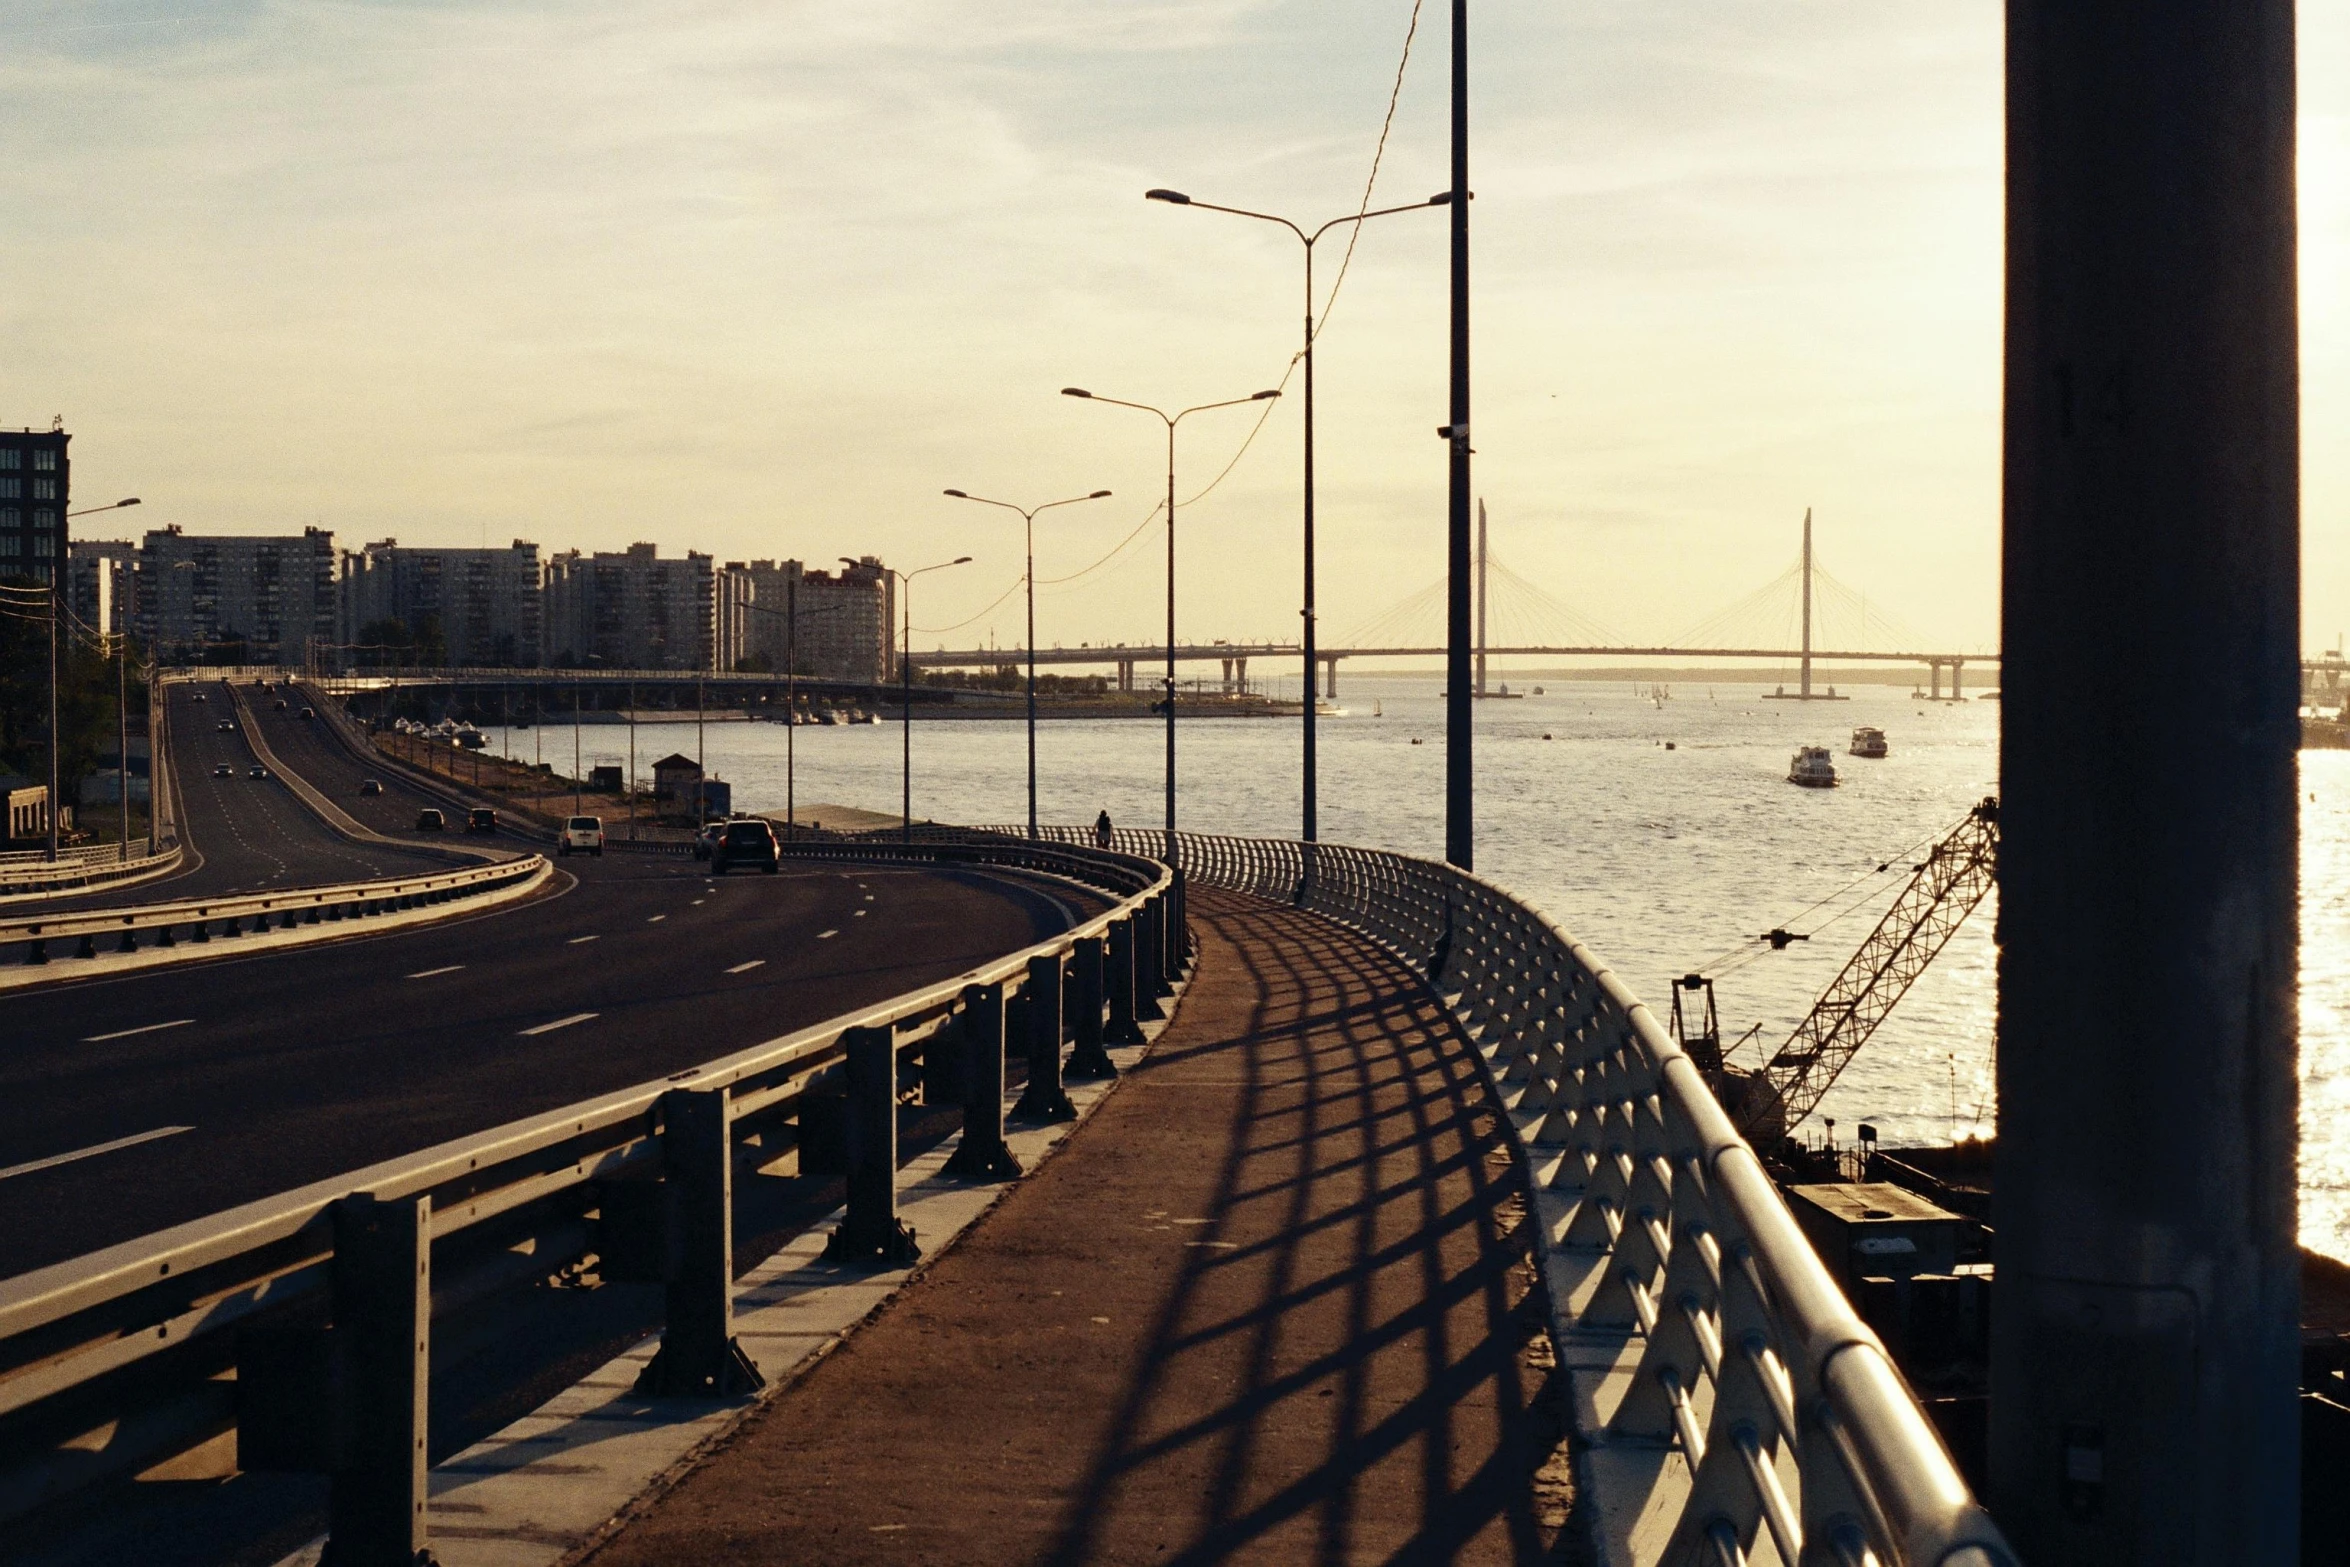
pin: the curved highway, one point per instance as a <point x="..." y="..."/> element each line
<point x="245" y="834"/>
<point x="134" y="1103"/>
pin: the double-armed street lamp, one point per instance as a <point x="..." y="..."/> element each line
<point x="1028" y="519"/>
<point x="906" y="679"/>
<point x="1307" y="240"/>
<point x="123" y="760"/>
<point x="1171" y="420"/>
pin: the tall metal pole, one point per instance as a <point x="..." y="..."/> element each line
<point x="1028" y="520"/>
<point x="1805" y="689"/>
<point x="1171" y="859"/>
<point x="632" y="759"/>
<point x="1460" y="839"/>
<point x="575" y="748"/>
<point x="156" y="792"/>
<point x="906" y="688"/>
<point x="53" y="775"/>
<point x="2145" y="1356"/>
<point x="122" y="751"/>
<point x="1311" y="826"/>
<point x="791" y="698"/>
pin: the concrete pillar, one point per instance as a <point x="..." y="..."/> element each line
<point x="1240" y="676"/>
<point x="1956" y="664"/>
<point x="871" y="1234"/>
<point x="981" y="1155"/>
<point x="1227" y="677"/>
<point x="1043" y="1098"/>
<point x="382" y="1292"/>
<point x="1934" y="669"/>
<point x="2145" y="1356"/>
<point x="699" y="1357"/>
<point x="1123" y="1026"/>
<point x="1088" y="1061"/>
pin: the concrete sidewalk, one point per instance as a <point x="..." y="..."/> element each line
<point x="1270" y="1304"/>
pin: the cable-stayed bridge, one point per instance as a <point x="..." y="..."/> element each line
<point x="1805" y="615"/>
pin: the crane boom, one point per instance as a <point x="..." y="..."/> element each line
<point x="1942" y="892"/>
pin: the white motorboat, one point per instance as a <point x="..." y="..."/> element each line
<point x="1869" y="741"/>
<point x="1813" y="768"/>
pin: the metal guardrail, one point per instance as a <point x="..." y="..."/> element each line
<point x="164" y="922"/>
<point x="322" y="1298"/>
<point x="84" y="868"/>
<point x="1745" y="1358"/>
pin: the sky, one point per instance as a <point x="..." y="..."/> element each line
<point x="763" y="277"/>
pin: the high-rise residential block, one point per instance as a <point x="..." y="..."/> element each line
<point x="259" y="598"/>
<point x="486" y="603"/>
<point x="34" y="475"/>
<point x="630" y="610"/>
<point x="842" y="618"/>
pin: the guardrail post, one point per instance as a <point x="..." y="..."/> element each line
<point x="1123" y="1027"/>
<point x="981" y="1155"/>
<point x="1088" y="1061"/>
<point x="383" y="1337"/>
<point x="699" y="1357"/>
<point x="1043" y="1099"/>
<point x="1150" y="956"/>
<point x="1183" y="947"/>
<point x="871" y="1235"/>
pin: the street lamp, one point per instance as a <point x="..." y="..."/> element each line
<point x="1176" y="198"/>
<point x="1028" y="518"/>
<point x="55" y="573"/>
<point x="1171" y="420"/>
<point x="790" y="616"/>
<point x="906" y="677"/>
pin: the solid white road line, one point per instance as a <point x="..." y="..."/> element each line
<point x="561" y="1022"/>
<point x="56" y="1159"/>
<point x="447" y="968"/>
<point x="576" y="940"/>
<point x="745" y="968"/>
<point x="145" y="1028"/>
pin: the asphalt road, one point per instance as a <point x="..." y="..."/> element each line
<point x="253" y="1075"/>
<point x="248" y="834"/>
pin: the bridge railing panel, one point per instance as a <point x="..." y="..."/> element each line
<point x="1745" y="1407"/>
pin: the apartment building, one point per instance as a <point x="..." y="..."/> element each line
<point x="264" y="598"/>
<point x="630" y="610"/>
<point x="487" y="602"/>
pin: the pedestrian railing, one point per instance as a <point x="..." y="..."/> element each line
<point x="1737" y="1394"/>
<point x="303" y="1321"/>
<point x="84" y="933"/>
<point x="27" y="875"/>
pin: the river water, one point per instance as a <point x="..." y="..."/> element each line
<point x="1662" y="860"/>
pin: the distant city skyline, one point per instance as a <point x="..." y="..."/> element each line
<point x="758" y="281"/>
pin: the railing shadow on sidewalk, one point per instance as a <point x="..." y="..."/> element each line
<point x="1343" y="1372"/>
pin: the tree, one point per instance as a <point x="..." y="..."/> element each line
<point x="85" y="696"/>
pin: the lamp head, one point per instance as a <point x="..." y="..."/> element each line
<point x="129" y="501"/>
<point x="1173" y="198"/>
<point x="1099" y="495"/>
<point x="1442" y="198"/>
<point x="960" y="560"/>
<point x="1075" y="391"/>
<point x="1261" y="396"/>
<point x="844" y="560"/>
<point x="958" y="495"/>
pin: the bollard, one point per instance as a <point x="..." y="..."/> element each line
<point x="1043" y="1099"/>
<point x="699" y="1356"/>
<point x="1150" y="948"/>
<point x="981" y="1155"/>
<point x="36" y="951"/>
<point x="130" y="941"/>
<point x="382" y="1347"/>
<point x="89" y="947"/>
<point x="203" y="931"/>
<point x="871" y="1235"/>
<point x="163" y="937"/>
<point x="1122" y="1028"/>
<point x="1088" y="1061"/>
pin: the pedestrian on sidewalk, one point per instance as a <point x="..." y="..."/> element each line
<point x="1101" y="829"/>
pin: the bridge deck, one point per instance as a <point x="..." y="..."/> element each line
<point x="1270" y="1304"/>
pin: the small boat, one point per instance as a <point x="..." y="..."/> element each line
<point x="1870" y="742"/>
<point x="1813" y="768"/>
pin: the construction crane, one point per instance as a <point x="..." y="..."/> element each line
<point x="1942" y="891"/>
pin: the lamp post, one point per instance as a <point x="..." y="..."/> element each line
<point x="56" y="571"/>
<point x="1171" y="420"/>
<point x="1028" y="520"/>
<point x="790" y="616"/>
<point x="1306" y="613"/>
<point x="906" y="680"/>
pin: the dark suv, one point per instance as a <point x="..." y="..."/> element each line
<point x="749" y="842"/>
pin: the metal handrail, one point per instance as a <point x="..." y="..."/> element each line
<point x="134" y="919"/>
<point x="167" y="1310"/>
<point x="1705" y="1267"/>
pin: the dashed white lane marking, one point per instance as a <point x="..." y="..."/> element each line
<point x="698" y="902"/>
<point x="144" y="1028"/>
<point x="860" y="914"/>
<point x="826" y="935"/>
<point x="446" y="968"/>
<point x="576" y="940"/>
<point x="656" y="919"/>
<point x="561" y="1022"/>
<point x="57" y="1159"/>
<point x="745" y="968"/>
